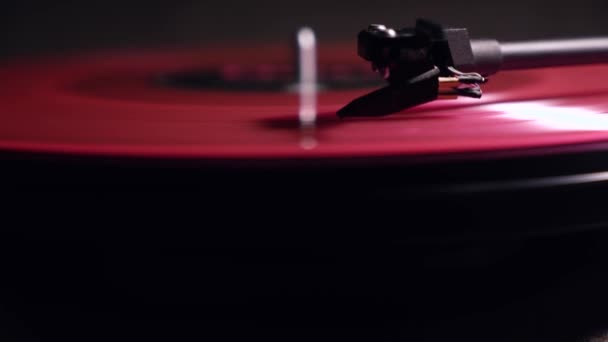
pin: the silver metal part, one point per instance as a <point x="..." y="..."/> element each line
<point x="307" y="87"/>
<point x="381" y="28"/>
<point x="557" y="52"/>
<point x="492" y="56"/>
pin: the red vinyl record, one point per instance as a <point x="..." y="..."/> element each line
<point x="117" y="104"/>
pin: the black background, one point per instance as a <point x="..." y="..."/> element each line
<point x="36" y="26"/>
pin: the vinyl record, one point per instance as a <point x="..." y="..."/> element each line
<point x="236" y="104"/>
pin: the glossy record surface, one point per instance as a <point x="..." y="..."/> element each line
<point x="112" y="103"/>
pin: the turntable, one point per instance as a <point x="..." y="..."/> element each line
<point x="240" y="152"/>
